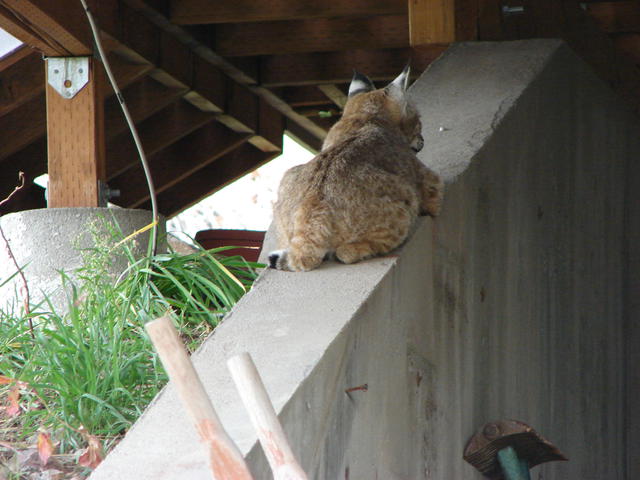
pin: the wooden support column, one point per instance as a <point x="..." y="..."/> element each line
<point x="442" y="21"/>
<point x="75" y="126"/>
<point x="75" y="142"/>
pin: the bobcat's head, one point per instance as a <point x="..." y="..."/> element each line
<point x="388" y="104"/>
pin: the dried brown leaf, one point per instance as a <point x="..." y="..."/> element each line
<point x="45" y="447"/>
<point x="13" y="409"/>
<point x="92" y="456"/>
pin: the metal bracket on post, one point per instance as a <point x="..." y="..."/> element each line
<point x="105" y="193"/>
<point x="68" y="75"/>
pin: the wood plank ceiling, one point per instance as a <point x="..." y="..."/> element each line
<point x="212" y="85"/>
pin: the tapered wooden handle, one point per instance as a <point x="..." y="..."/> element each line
<point x="226" y="460"/>
<point x="263" y="416"/>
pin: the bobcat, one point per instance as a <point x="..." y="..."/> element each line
<point x="361" y="194"/>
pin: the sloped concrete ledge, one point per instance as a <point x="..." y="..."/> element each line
<point x="512" y="304"/>
<point x="289" y="326"/>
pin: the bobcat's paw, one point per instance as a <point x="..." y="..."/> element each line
<point x="433" y="203"/>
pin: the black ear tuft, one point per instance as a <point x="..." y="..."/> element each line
<point x="360" y="83"/>
<point x="273" y="260"/>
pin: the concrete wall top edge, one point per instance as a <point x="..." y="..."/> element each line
<point x="464" y="95"/>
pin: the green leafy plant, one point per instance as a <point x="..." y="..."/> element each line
<point x="91" y="370"/>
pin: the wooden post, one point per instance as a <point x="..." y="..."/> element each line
<point x="442" y="21"/>
<point x="75" y="141"/>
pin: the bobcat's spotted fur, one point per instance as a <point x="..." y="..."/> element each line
<point x="360" y="195"/>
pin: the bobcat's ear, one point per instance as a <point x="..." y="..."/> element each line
<point x="360" y="84"/>
<point x="398" y="87"/>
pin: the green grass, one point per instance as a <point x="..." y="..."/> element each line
<point x="94" y="366"/>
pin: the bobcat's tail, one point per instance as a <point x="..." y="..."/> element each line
<point x="278" y="259"/>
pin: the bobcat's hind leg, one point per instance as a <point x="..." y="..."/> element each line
<point x="304" y="254"/>
<point x="377" y="242"/>
<point x="431" y="192"/>
<point x="354" y="252"/>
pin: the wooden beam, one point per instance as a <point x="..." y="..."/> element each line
<point x="75" y="143"/>
<point x="125" y="70"/>
<point x="546" y="18"/>
<point x="616" y="17"/>
<point x="302" y="96"/>
<point x="302" y="137"/>
<point x="320" y="35"/>
<point x="597" y="49"/>
<point x="210" y="85"/>
<point x="442" y="21"/>
<point x="177" y="162"/>
<point x="337" y="67"/>
<point x="316" y="113"/>
<point x="156" y="133"/>
<point x="629" y="43"/>
<point x="21" y="79"/>
<point x="58" y="28"/>
<point x="270" y="128"/>
<point x="10" y="23"/>
<point x="144" y="98"/>
<point x="584" y="36"/>
<point x="138" y="17"/>
<point x="337" y="96"/>
<point x="241" y="109"/>
<point x="189" y="12"/>
<point x="21" y="126"/>
<point x="490" y="20"/>
<point x="139" y="34"/>
<point x="206" y="85"/>
<point x="211" y="178"/>
<point x="327" y="122"/>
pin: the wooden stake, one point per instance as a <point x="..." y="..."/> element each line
<point x="226" y="460"/>
<point x="263" y="416"/>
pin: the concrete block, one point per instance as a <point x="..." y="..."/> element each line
<point x="45" y="241"/>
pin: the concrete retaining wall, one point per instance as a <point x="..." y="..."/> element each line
<point x="513" y="304"/>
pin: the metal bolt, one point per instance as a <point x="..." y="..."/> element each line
<point x="491" y="431"/>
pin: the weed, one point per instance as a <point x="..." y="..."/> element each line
<point x="92" y="368"/>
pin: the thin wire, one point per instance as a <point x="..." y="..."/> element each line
<point x="132" y="127"/>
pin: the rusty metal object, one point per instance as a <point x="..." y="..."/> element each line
<point x="482" y="449"/>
